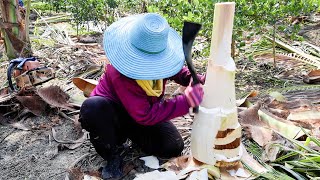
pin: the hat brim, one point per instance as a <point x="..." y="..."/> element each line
<point x="136" y="64"/>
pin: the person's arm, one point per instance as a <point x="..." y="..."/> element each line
<point x="183" y="77"/>
<point x="135" y="101"/>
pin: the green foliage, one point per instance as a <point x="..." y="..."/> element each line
<point x="59" y="5"/>
<point x="181" y="10"/>
<point x="87" y="10"/>
<point x="254" y="15"/>
<point x="251" y="16"/>
<point x="41" y="6"/>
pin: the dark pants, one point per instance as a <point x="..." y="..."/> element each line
<point x="110" y="125"/>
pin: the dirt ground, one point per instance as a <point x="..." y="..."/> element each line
<point x="28" y="150"/>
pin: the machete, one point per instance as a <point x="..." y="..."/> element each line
<point x="189" y="33"/>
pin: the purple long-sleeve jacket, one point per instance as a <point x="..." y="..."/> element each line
<point x="144" y="109"/>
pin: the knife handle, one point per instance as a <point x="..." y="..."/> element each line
<point x="196" y="109"/>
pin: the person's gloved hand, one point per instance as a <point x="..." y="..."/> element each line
<point x="194" y="95"/>
<point x="202" y="79"/>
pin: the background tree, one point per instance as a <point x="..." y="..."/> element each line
<point x="15" y="28"/>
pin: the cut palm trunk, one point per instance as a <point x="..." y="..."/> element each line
<point x="13" y="27"/>
<point x="216" y="132"/>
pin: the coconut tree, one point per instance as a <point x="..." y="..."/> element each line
<point x="14" y="28"/>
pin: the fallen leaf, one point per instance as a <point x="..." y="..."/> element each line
<point x="294" y="105"/>
<point x="251" y="116"/>
<point x="85" y="85"/>
<point x="74" y="174"/>
<point x="241" y="101"/>
<point x="182" y="165"/>
<point x="252" y="163"/>
<point x="259" y="134"/>
<point x="34" y="104"/>
<point x="76" y="143"/>
<point x="281" y="126"/>
<point x="151" y="162"/>
<point x="299" y="112"/>
<point x="270" y="152"/>
<point x="279" y="112"/>
<point x="278" y="96"/>
<point x="177" y="164"/>
<point x="304" y="115"/>
<point x="312" y="77"/>
<point x="54" y="96"/>
<point x="315" y="133"/>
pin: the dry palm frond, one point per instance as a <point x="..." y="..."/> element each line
<point x="306" y="57"/>
<point x="303" y="59"/>
<point x="257" y="151"/>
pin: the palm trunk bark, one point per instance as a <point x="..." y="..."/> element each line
<point x="14" y="30"/>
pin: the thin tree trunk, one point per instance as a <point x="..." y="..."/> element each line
<point x="14" y="30"/>
<point x="233" y="48"/>
<point x="274" y="45"/>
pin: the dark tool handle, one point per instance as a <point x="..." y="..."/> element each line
<point x="9" y="76"/>
<point x="189" y="32"/>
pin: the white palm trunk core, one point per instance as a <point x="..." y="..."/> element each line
<point x="216" y="131"/>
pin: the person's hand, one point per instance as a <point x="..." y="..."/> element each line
<point x="194" y="95"/>
<point x="202" y="79"/>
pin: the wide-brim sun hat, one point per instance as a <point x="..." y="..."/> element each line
<point x="144" y="47"/>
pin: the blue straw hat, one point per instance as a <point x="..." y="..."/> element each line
<point x="144" y="47"/>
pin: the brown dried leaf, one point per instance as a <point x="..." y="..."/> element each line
<point x="271" y="152"/>
<point x="312" y="77"/>
<point x="291" y="105"/>
<point x="34" y="104"/>
<point x="251" y="116"/>
<point x="280" y="113"/>
<point x="181" y="163"/>
<point x="85" y="85"/>
<point x="54" y="96"/>
<point x="78" y="141"/>
<point x="177" y="164"/>
<point x="254" y="128"/>
<point x="241" y="101"/>
<point x="259" y="134"/>
<point x="305" y="115"/>
<point x="300" y="112"/>
<point x="315" y="133"/>
<point x="75" y="174"/>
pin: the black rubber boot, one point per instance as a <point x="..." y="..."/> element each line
<point x="113" y="169"/>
